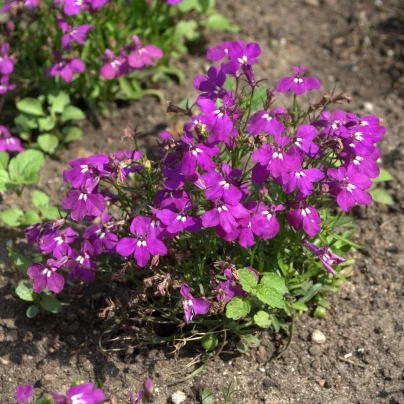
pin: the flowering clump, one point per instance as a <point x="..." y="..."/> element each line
<point x="234" y="215"/>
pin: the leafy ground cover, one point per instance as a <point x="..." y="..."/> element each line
<point x="365" y="318"/>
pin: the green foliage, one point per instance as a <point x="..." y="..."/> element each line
<point x="380" y="195"/>
<point x="49" y="123"/>
<point x="237" y="308"/>
<point x="210" y="342"/>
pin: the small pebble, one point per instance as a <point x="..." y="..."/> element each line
<point x="368" y="106"/>
<point x="87" y="366"/>
<point x="178" y="397"/>
<point x="318" y="337"/>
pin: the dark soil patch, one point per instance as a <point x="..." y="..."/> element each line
<point x="357" y="46"/>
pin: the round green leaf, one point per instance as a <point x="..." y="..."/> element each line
<point x="31" y="106"/>
<point x="210" y="342"/>
<point x="24" y="165"/>
<point x="380" y="195"/>
<point x="32" y="311"/>
<point x="51" y="303"/>
<point x="72" y="133"/>
<point x="59" y="101"/>
<point x="237" y="308"/>
<point x="12" y="217"/>
<point x="70" y="112"/>
<point x="262" y="319"/>
<point x="241" y="347"/>
<point x="24" y="291"/>
<point x="48" y="143"/>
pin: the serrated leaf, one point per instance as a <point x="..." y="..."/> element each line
<point x="32" y="311"/>
<point x="31" y="106"/>
<point x="70" y="112"/>
<point x="220" y="22"/>
<point x="12" y="217"/>
<point x="51" y="303"/>
<point x="24" y="291"/>
<point x="4" y="159"/>
<point x="237" y="308"/>
<point x="383" y="176"/>
<point x="25" y="165"/>
<point x="262" y="319"/>
<point x="48" y="143"/>
<point x="46" y="124"/>
<point x="380" y="195"/>
<point x="71" y="133"/>
<point x="248" y="279"/>
<point x="271" y="290"/>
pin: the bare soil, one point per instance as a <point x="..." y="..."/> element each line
<point x="354" y="45"/>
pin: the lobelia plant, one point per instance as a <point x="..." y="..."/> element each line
<point x="235" y="226"/>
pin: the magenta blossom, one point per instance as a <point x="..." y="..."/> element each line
<point x="241" y="56"/>
<point x="298" y="83"/>
<point x="143" y="55"/>
<point x="73" y="7"/>
<point x="192" y="306"/>
<point x="46" y="277"/>
<point x="84" y="393"/>
<point x="23" y="394"/>
<point x="142" y="245"/>
<point x="212" y="84"/>
<point x="327" y="257"/>
<point x="115" y="66"/>
<point x="65" y="68"/>
<point x="5" y="85"/>
<point x="9" y="143"/>
<point x="6" y="63"/>
<point x="304" y="216"/>
<point x="73" y="34"/>
<point x="268" y="122"/>
<point x="29" y="4"/>
<point x="221" y="50"/>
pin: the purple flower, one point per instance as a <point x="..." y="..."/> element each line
<point x="6" y="63"/>
<point x="304" y="216"/>
<point x="332" y="124"/>
<point x="52" y="239"/>
<point x="77" y="34"/>
<point x="101" y="237"/>
<point x="264" y="222"/>
<point x="116" y="66"/>
<point x="225" y="187"/>
<point x="241" y="55"/>
<point x="175" y="177"/>
<point x="363" y="164"/>
<point x="362" y="139"/>
<point x="9" y="143"/>
<point x="142" y="245"/>
<point x="85" y="393"/>
<point x="80" y="263"/>
<point x="143" y="55"/>
<point x="212" y="84"/>
<point x="192" y="306"/>
<point x="304" y="140"/>
<point x="169" y="199"/>
<point x="65" y="68"/>
<point x="126" y="163"/>
<point x="73" y="7"/>
<point x="173" y="2"/>
<point x="199" y="153"/>
<point x="264" y="121"/>
<point x="84" y="202"/>
<point x="5" y="85"/>
<point x="29" y="4"/>
<point x="349" y="187"/>
<point x="23" y="394"/>
<point x="46" y="277"/>
<point x="275" y="160"/>
<point x="221" y="50"/>
<point x="327" y="257"/>
<point x="35" y="231"/>
<point x="87" y="168"/>
<point x="178" y="222"/>
<point x="298" y="83"/>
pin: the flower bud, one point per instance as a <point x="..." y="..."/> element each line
<point x="148" y="386"/>
<point x="270" y="97"/>
<point x="147" y="165"/>
<point x="262" y="193"/>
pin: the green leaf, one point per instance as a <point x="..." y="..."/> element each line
<point x="4" y="180"/>
<point x="250" y="340"/>
<point x="48" y="143"/>
<point x="31" y="106"/>
<point x="383" y="176"/>
<point x="71" y="133"/>
<point x="24" y="165"/>
<point x="241" y="347"/>
<point x="59" y="101"/>
<point x="12" y="217"/>
<point x="237" y="308"/>
<point x="46" y="124"/>
<point x="260" y="95"/>
<point x="271" y="290"/>
<point x="300" y="306"/>
<point x="127" y="88"/>
<point x="51" y="303"/>
<point x="186" y="30"/>
<point x="40" y="199"/>
<point x="220" y="22"/>
<point x="20" y="262"/>
<point x="71" y="112"/>
<point x="248" y="279"/>
<point x="314" y="289"/>
<point x="262" y="319"/>
<point x="24" y="291"/>
<point x="32" y="311"/>
<point x="50" y="212"/>
<point x="4" y="158"/>
<point x="347" y="241"/>
<point x="210" y="342"/>
<point x="380" y="195"/>
<point x="207" y="396"/>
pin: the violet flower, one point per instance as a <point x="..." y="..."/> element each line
<point x="332" y="124"/>
<point x="5" y="85"/>
<point x="192" y="306"/>
<point x="73" y="34"/>
<point x="80" y="263"/>
<point x="298" y="83"/>
<point x="9" y="143"/>
<point x="6" y="63"/>
<point x="212" y="84"/>
<point x="46" y="277"/>
<point x="52" y="239"/>
<point x="115" y="66"/>
<point x="304" y="140"/>
<point x="304" y="216"/>
<point x="264" y="121"/>
<point x="142" y="245"/>
<point x="264" y="222"/>
<point x="178" y="222"/>
<point x="171" y="199"/>
<point x="221" y="50"/>
<point x="84" y="393"/>
<point x="327" y="257"/>
<point x="143" y="55"/>
<point x="29" y="4"/>
<point x="23" y="394"/>
<point x="65" y="68"/>
<point x="349" y="187"/>
<point x="100" y="237"/>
